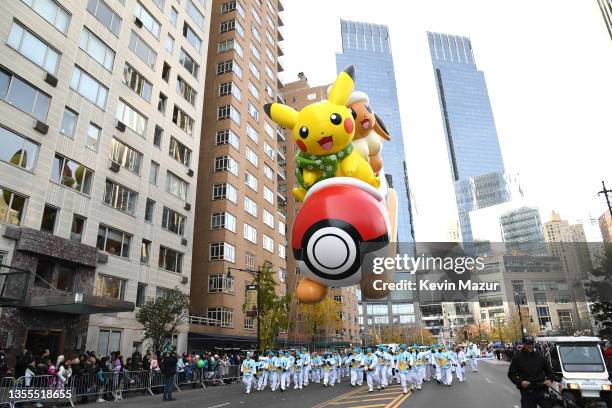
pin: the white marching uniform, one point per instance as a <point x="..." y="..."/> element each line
<point x="248" y="370"/>
<point x="306" y="368"/>
<point x="461" y="360"/>
<point x="371" y="365"/>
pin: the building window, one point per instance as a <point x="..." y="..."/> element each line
<point x="253" y="90"/>
<point x="137" y="82"/>
<point x="148" y="21"/>
<point x="254" y="70"/>
<point x="269" y="129"/>
<point x="110" y="286"/>
<point x="169" y="44"/>
<point x="250" y="233"/>
<point x="173" y="221"/>
<point x="51" y="11"/>
<point x="49" y="218"/>
<point x="77" y="228"/>
<point x="170" y="260"/>
<point x="195" y="14"/>
<point x="173" y="16"/>
<point x="226" y="163"/>
<point x="268" y="150"/>
<point x="192" y="37"/>
<point x="166" y="71"/>
<point x="17" y="150"/>
<point x="270" y="55"/>
<point x="250" y="206"/>
<point x="229" y="66"/>
<point x="229" y="45"/>
<point x="141" y="294"/>
<point x="131" y="117"/>
<point x="269" y="90"/>
<point x="252" y="133"/>
<point x="222" y="251"/>
<point x="162" y="103"/>
<point x="250" y="261"/>
<point x="221" y="284"/>
<point x="231" y="6"/>
<point x="220" y="220"/>
<point x="180" y="152"/>
<point x="125" y="156"/>
<point x="282" y="251"/>
<point x="176" y="186"/>
<point x="109" y="341"/>
<point x="105" y="14"/>
<point x="119" y="197"/>
<point x="149" y="210"/>
<point x="88" y="87"/>
<point x="250" y="181"/>
<point x="145" y="252"/>
<point x="253" y="111"/>
<point x="189" y="63"/>
<point x="92" y="137"/>
<point x="222" y="315"/>
<point x="282" y="228"/>
<point x="227" y="112"/>
<point x="182" y="120"/>
<point x="256" y="16"/>
<point x="225" y="191"/>
<point x="268" y="172"/>
<point x="97" y="49"/>
<point x="255" y="52"/>
<point x="269" y="72"/>
<point x="226" y="88"/>
<point x="230" y="25"/>
<point x="251" y="156"/>
<point x="227" y="136"/>
<point x="142" y="50"/>
<point x="185" y="90"/>
<point x="23" y="96"/>
<point x="248" y="323"/>
<point x="282" y="275"/>
<point x="268" y="243"/>
<point x="256" y="34"/>
<point x="153" y="172"/>
<point x="72" y="174"/>
<point x="268" y="195"/>
<point x="157" y="136"/>
<point x="268" y="219"/>
<point x="33" y="48"/>
<point x="114" y="241"/>
<point x="12" y="207"/>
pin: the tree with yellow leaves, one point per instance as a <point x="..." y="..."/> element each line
<point x="322" y="316"/>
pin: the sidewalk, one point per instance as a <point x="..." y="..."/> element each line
<point x="497" y="362"/>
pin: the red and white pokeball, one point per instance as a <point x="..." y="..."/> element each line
<point x="338" y="215"/>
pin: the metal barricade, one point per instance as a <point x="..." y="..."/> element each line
<point x="227" y="374"/>
<point x="190" y="376"/>
<point x="6" y="387"/>
<point x="36" y="389"/>
<point x="136" y="381"/>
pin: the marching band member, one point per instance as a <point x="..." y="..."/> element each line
<point x="371" y="365"/>
<point x="445" y="360"/>
<point x="298" y="379"/>
<point x="275" y="368"/>
<point x="328" y="366"/>
<point x="285" y="367"/>
<point x="403" y="367"/>
<point x="247" y="369"/>
<point x="307" y="367"/>
<point x="461" y="359"/>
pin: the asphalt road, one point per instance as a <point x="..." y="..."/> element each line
<point x="489" y="388"/>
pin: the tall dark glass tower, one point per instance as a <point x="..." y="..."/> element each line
<point x="474" y="154"/>
<point x="368" y="48"/>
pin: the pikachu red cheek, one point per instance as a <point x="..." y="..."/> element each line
<point x="349" y="125"/>
<point x="301" y="145"/>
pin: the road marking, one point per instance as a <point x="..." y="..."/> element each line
<point x="324" y="403"/>
<point x="516" y="406"/>
<point x="220" y="405"/>
<point x="400" y="401"/>
<point x="510" y="390"/>
<point x="348" y="401"/>
<point x="489" y="381"/>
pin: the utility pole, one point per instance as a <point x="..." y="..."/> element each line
<point x="255" y="274"/>
<point x="605" y="192"/>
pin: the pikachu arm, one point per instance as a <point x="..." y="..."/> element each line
<point x="349" y="165"/>
<point x="310" y="177"/>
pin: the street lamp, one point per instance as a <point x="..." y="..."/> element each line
<point x="255" y="273"/>
<point x="519" y="313"/>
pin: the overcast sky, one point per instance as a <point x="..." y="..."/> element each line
<point x="548" y="67"/>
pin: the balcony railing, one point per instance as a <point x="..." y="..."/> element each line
<point x="206" y="321"/>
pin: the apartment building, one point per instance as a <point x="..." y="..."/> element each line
<point x="100" y="119"/>
<point x="238" y="223"/>
<point x="298" y="94"/>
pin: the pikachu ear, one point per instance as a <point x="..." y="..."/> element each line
<point x="284" y="115"/>
<point x="343" y="86"/>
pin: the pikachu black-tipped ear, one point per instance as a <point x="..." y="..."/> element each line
<point x="343" y="86"/>
<point x="284" y="115"/>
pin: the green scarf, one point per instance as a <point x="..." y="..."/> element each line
<point x="327" y="163"/>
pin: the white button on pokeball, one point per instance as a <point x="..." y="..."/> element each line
<point x="331" y="250"/>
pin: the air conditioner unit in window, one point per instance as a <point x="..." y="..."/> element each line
<point x="51" y="80"/>
<point x="184" y="241"/>
<point x="42" y="127"/>
<point x="190" y="173"/>
<point x="120" y="126"/>
<point x="137" y="22"/>
<point x="184" y="279"/>
<point x="187" y="206"/>
<point x="114" y="166"/>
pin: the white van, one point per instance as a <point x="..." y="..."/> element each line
<point x="582" y="377"/>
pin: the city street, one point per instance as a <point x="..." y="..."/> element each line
<point x="488" y="388"/>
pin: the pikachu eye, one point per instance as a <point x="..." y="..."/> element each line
<point x="303" y="132"/>
<point x="335" y="118"/>
<point x="354" y="113"/>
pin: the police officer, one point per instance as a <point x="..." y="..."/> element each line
<point x="532" y="374"/>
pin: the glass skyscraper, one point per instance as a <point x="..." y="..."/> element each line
<point x="522" y="232"/>
<point x="368" y="48"/>
<point x="474" y="154"/>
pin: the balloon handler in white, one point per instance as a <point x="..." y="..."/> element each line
<point x="345" y="202"/>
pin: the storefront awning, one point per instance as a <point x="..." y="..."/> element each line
<point x="79" y="303"/>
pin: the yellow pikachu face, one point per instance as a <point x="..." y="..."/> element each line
<point x="324" y="127"/>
